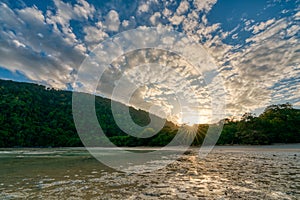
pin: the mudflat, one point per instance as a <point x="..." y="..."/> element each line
<point x="228" y="172"/>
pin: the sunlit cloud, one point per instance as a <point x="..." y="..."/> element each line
<point x="257" y="55"/>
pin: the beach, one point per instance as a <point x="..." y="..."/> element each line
<point x="228" y="172"/>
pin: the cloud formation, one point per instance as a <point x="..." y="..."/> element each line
<point x="257" y="56"/>
<point x="29" y="45"/>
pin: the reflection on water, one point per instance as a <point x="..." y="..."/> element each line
<point x="227" y="173"/>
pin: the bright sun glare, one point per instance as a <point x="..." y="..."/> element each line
<point x="194" y="118"/>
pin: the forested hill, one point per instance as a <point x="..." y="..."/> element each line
<point x="33" y="116"/>
<point x="277" y="124"/>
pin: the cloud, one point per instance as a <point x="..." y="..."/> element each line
<point x="64" y="13"/>
<point x="250" y="71"/>
<point x="176" y="20"/>
<point x="258" y="58"/>
<point x="158" y="84"/>
<point x="271" y="56"/>
<point x="163" y="79"/>
<point x="262" y="26"/>
<point x="112" y="21"/>
<point x="45" y="56"/>
<point x="183" y="7"/>
<point x="204" y="5"/>
<point x="31" y="14"/>
<point x="83" y="9"/>
<point x="166" y="12"/>
<point x="125" y="23"/>
<point x="154" y="17"/>
<point x="94" y="35"/>
<point x="143" y="8"/>
<point x="18" y="44"/>
<point x="146" y="6"/>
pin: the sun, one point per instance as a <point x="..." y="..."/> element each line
<point x="193" y="119"/>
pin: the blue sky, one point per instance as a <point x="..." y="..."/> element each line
<point x="254" y="43"/>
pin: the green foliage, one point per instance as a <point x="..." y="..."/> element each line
<point x="33" y="116"/>
<point x="277" y="124"/>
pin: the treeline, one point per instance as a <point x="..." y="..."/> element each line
<point x="277" y="124"/>
<point x="33" y="116"/>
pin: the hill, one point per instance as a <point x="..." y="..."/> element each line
<point x="277" y="124"/>
<point x="34" y="116"/>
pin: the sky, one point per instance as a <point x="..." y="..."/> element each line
<point x="254" y="44"/>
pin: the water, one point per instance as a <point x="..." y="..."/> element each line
<point x="27" y="172"/>
<point x="268" y="172"/>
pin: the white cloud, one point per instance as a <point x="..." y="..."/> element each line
<point x="18" y="43"/>
<point x="45" y="56"/>
<point x="64" y="13"/>
<point x="204" y="5"/>
<point x="171" y="78"/>
<point x="125" y="23"/>
<point x="251" y="70"/>
<point x="268" y="60"/>
<point x="297" y="104"/>
<point x="176" y="20"/>
<point x="257" y="73"/>
<point x="154" y="17"/>
<point x="262" y="26"/>
<point x="293" y="30"/>
<point x="94" y="35"/>
<point x="112" y="21"/>
<point x="31" y="14"/>
<point x="166" y="12"/>
<point x="183" y="7"/>
<point x="84" y="10"/>
<point x="143" y="8"/>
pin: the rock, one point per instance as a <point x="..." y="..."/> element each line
<point x="188" y="152"/>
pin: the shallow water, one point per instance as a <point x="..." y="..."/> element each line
<point x="251" y="172"/>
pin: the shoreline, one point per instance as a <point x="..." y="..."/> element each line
<point x="270" y="172"/>
<point x="223" y="145"/>
<point x="295" y="147"/>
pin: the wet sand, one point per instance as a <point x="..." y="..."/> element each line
<point x="253" y="172"/>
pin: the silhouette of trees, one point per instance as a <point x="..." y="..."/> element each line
<point x="33" y="116"/>
<point x="277" y="124"/>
